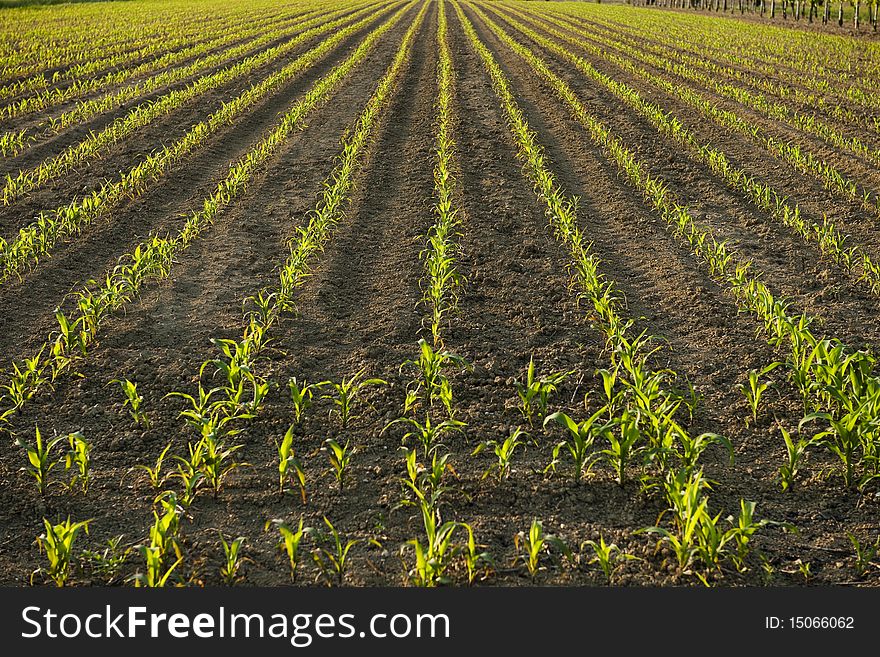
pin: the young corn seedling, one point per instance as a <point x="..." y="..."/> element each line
<point x="432" y="384"/>
<point x="215" y="462"/>
<point x="189" y="476"/>
<point x="154" y="474"/>
<point x="503" y="451"/>
<point x="744" y="528"/>
<point x="755" y="388"/>
<point x="289" y="466"/>
<point x="107" y="564"/>
<point x="536" y="542"/>
<point x="57" y="542"/>
<point x="133" y="401"/>
<point x="347" y="393"/>
<point x="608" y="556"/>
<point x="232" y="560"/>
<point x="79" y="460"/>
<point x="432" y="558"/>
<point x="534" y="393"/>
<point x="865" y="554"/>
<point x="581" y="437"/>
<point x="40" y="460"/>
<point x="332" y="562"/>
<point x="794" y="456"/>
<point x="429" y="435"/>
<point x="27" y="377"/>
<point x="301" y="395"/>
<point x="340" y="459"/>
<point x="156" y="575"/>
<point x="475" y="561"/>
<point x="425" y="482"/>
<point x="623" y="442"/>
<point x="843" y="438"/>
<point x="291" y="539"/>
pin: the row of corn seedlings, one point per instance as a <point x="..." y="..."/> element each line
<point x="40" y="237"/>
<point x="822" y="96"/>
<point x="840" y="390"/>
<point x="96" y="144"/>
<point x="801" y="158"/>
<point x="213" y="413"/>
<point x="211" y="458"/>
<point x="14" y="142"/>
<point x="50" y="97"/>
<point x="637" y="421"/>
<point x="805" y="122"/>
<point x="846" y="65"/>
<point x="830" y="241"/>
<point x="153" y="259"/>
<point x="213" y="36"/>
<point x="45" y="56"/>
<point x="443" y="280"/>
<point x="213" y="41"/>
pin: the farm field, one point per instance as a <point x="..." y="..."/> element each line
<point x="434" y="292"/>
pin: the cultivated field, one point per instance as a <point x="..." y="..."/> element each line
<point x="429" y="292"/>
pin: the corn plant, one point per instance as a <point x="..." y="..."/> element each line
<point x="425" y="482"/>
<point x="57" y="542"/>
<point x="290" y="541"/>
<point x="333" y="561"/>
<point x="475" y="560"/>
<point x="432" y="383"/>
<point x="79" y="460"/>
<point x="215" y="461"/>
<point x="232" y="560"/>
<point x="107" y="564"/>
<point x="26" y="378"/>
<point x="503" y="451"/>
<point x="429" y="434"/>
<point x="623" y="439"/>
<point x="348" y="391"/>
<point x="534" y="392"/>
<point x="794" y="455"/>
<point x="190" y="477"/>
<point x="535" y="543"/>
<point x="156" y="574"/>
<point x="133" y="401"/>
<point x="608" y="556"/>
<point x="433" y="557"/>
<point x="579" y="442"/>
<point x="154" y="474"/>
<point x="340" y="457"/>
<point x="755" y="388"/>
<point x="163" y="545"/>
<point x="843" y="438"/>
<point x="301" y="395"/>
<point x="40" y="458"/>
<point x="864" y="554"/>
<point x="289" y="466"/>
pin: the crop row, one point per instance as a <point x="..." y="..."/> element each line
<point x="15" y="141"/>
<point x="829" y="240"/>
<point x="840" y="389"/>
<point x="153" y="259"/>
<point x="90" y="54"/>
<point x="41" y="236"/>
<point x="807" y="122"/>
<point x="823" y="94"/>
<point x="142" y="115"/>
<point x="213" y="414"/>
